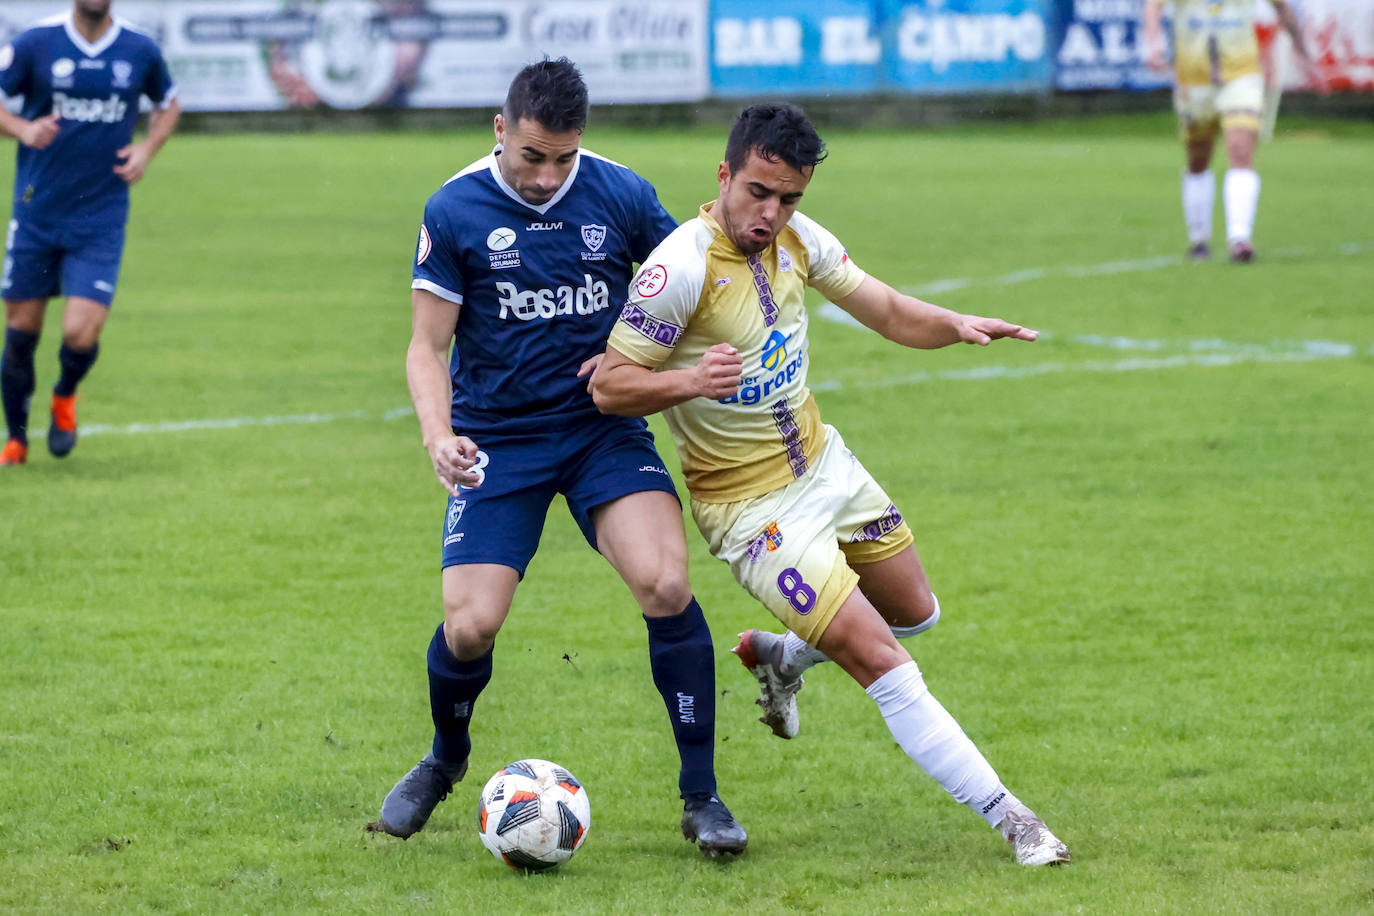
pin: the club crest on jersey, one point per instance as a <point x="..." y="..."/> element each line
<point x="63" y="68"/>
<point x="123" y="71"/>
<point x="593" y="236"/>
<point x="784" y="261"/>
<point x="425" y="247"/>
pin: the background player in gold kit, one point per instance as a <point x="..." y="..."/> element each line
<point x="1218" y="86"/>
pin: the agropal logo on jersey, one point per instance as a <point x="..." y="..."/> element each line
<point x="779" y="366"/>
<point x="527" y="305"/>
<point x="89" y="111"/>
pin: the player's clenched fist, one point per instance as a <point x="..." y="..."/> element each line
<point x="719" y="371"/>
<point x="40" y="132"/>
<point x="454" y="458"/>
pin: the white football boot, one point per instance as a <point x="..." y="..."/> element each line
<point x="1031" y="839"/>
<point x="760" y="652"/>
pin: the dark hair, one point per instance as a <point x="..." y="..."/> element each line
<point x="775" y="131"/>
<point x="551" y="92"/>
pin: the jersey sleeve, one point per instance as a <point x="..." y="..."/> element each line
<point x="831" y="273"/>
<point x="158" y="85"/>
<point x="15" y="67"/>
<point x="652" y="225"/>
<point x="438" y="259"/>
<point x="663" y="297"/>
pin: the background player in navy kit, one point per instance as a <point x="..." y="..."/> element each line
<point x="81" y="77"/>
<point x="523" y="262"/>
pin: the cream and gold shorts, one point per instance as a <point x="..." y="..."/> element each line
<point x="1236" y="104"/>
<point x="792" y="548"/>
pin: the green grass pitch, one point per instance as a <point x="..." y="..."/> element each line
<point x="1151" y="533"/>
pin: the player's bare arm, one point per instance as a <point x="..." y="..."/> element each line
<point x="626" y="388"/>
<point x="38" y="133"/>
<point x="1289" y="20"/>
<point x="922" y="325"/>
<point x="1154" y="36"/>
<point x="432" y="322"/>
<point x="135" y="157"/>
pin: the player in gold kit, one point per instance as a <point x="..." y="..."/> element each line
<point x="1218" y="86"/>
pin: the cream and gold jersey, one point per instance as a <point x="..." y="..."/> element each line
<point x="1214" y="41"/>
<point x="697" y="290"/>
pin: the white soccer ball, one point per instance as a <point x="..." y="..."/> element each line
<point x="533" y="815"/>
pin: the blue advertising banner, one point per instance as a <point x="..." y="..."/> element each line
<point x="800" y="47"/>
<point x="1102" y="46"/>
<point x="936" y="47"/>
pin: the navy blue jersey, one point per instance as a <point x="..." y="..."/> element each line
<point x="95" y="89"/>
<point x="539" y="286"/>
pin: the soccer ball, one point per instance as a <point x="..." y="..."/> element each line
<point x="533" y="815"/>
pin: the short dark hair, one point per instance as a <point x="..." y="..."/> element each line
<point x="774" y="131"/>
<point x="551" y="92"/>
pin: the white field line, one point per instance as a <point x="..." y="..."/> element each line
<point x="1197" y="352"/>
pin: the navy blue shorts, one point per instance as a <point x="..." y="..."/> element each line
<point x="43" y="260"/>
<point x="590" y="464"/>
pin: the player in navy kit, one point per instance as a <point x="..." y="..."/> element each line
<point x="81" y="77"/>
<point x="523" y="263"/>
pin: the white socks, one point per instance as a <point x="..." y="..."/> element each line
<point x="797" y="655"/>
<point x="931" y="737"/>
<point x="1199" y="193"/>
<point x="1240" y="192"/>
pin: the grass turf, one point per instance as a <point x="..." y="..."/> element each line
<point x="1150" y="532"/>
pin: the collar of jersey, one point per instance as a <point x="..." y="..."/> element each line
<point x="515" y="195"/>
<point x="715" y="227"/>
<point x="84" y="46"/>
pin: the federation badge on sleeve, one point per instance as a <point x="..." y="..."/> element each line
<point x="425" y="246"/>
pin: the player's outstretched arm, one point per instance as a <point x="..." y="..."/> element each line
<point x="431" y="390"/>
<point x="626" y="388"/>
<point x="915" y="323"/>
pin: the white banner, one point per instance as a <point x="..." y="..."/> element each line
<point x="258" y="55"/>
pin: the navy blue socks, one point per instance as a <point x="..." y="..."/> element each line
<point x="453" y="688"/>
<point x="75" y="364"/>
<point x="16" y="380"/>
<point x="683" y="662"/>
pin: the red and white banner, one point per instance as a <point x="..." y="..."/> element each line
<point x="1339" y="35"/>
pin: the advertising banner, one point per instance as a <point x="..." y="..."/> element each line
<point x="962" y="46"/>
<point x="270" y="54"/>
<point x="805" y="47"/>
<point x="1102" y="46"/>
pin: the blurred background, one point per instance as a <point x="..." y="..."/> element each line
<point x="284" y="62"/>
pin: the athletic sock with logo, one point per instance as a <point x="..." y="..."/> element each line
<point x="453" y="689"/>
<point x="1199" y="196"/>
<point x="75" y="364"/>
<point x="682" y="659"/>
<point x="17" y="380"/>
<point x="1240" y="192"/>
<point x="930" y="736"/>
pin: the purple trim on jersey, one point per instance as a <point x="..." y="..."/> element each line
<point x="766" y="303"/>
<point x="663" y="333"/>
<point x="883" y="525"/>
<point x="786" y="422"/>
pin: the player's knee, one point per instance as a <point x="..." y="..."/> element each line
<point x="662" y="593"/>
<point x="468" y="634"/>
<point x="926" y="616"/>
